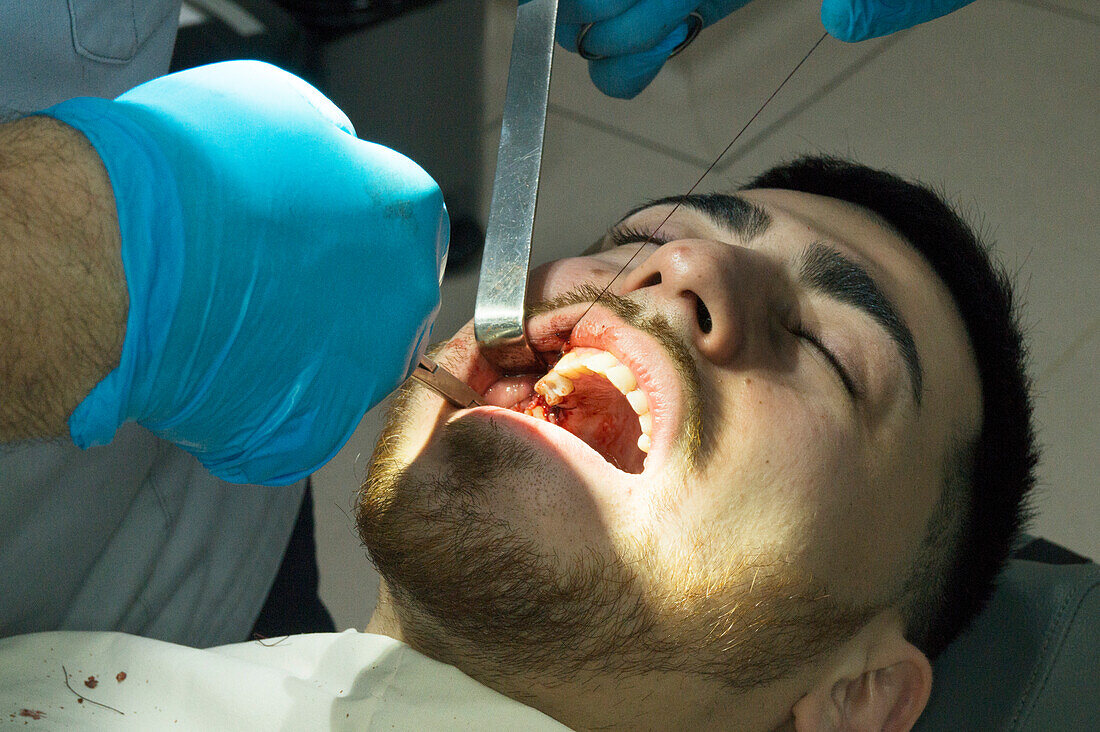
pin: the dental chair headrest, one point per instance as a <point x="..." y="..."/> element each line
<point x="1031" y="660"/>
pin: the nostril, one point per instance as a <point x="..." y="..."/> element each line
<point x="702" y="315"/>
<point x="652" y="281"/>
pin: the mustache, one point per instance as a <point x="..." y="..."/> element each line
<point x="634" y="314"/>
<point x="584" y="294"/>
<point x="696" y="437"/>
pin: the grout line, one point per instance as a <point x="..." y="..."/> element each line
<point x="1071" y="351"/>
<point x="809" y="101"/>
<point x="775" y="126"/>
<point x="1065" y="12"/>
<point x="627" y="136"/>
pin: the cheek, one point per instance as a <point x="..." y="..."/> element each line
<point x="884" y="523"/>
<point x="781" y="465"/>
<point x="562" y="275"/>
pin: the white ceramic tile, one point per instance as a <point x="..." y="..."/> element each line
<point x="701" y="97"/>
<point x="1088" y="10"/>
<point x="348" y="582"/>
<point x="500" y="20"/>
<point x="1068" y="500"/>
<point x="999" y="108"/>
<point x="589" y="179"/>
<point x="704" y="96"/>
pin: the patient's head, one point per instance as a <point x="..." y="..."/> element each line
<point x="776" y="473"/>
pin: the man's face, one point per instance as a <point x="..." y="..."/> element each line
<point x="803" y="373"/>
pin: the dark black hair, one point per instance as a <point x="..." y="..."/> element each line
<point x="987" y="476"/>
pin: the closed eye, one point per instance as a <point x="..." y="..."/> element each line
<point x="623" y="235"/>
<point x="837" y="366"/>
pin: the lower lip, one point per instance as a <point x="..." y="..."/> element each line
<point x="562" y="444"/>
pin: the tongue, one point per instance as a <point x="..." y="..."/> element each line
<point x="599" y="414"/>
<point x="510" y="390"/>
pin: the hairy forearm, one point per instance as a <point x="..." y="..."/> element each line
<point x="63" y="298"/>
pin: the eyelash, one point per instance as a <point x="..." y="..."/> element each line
<point x="624" y="235"/>
<point x="813" y="340"/>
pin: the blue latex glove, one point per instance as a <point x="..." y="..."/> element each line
<point x="282" y="273"/>
<point x="637" y="36"/>
<point x="858" y="20"/>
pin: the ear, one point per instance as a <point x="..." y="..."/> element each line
<point x="888" y="695"/>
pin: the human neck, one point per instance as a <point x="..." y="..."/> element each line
<point x="649" y="701"/>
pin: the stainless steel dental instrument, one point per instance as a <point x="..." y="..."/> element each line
<point x="445" y="384"/>
<point x="502" y="288"/>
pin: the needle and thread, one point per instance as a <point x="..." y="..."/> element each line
<point x="651" y="238"/>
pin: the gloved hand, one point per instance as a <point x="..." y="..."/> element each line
<point x="858" y="20"/>
<point x="283" y="275"/>
<point x="637" y="36"/>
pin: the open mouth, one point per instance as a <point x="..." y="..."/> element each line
<point x="592" y="394"/>
<point x="613" y="398"/>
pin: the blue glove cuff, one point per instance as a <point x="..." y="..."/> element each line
<point x="151" y="225"/>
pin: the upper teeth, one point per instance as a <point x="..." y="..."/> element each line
<point x="558" y="383"/>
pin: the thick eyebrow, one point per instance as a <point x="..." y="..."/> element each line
<point x="824" y="269"/>
<point x="742" y="217"/>
<point x="821" y="268"/>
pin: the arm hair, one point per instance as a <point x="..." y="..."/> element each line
<point x="63" y="296"/>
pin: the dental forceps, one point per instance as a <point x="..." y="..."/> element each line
<point x="502" y="287"/>
<point x="445" y="384"/>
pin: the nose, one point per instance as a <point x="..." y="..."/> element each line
<point x="720" y="290"/>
